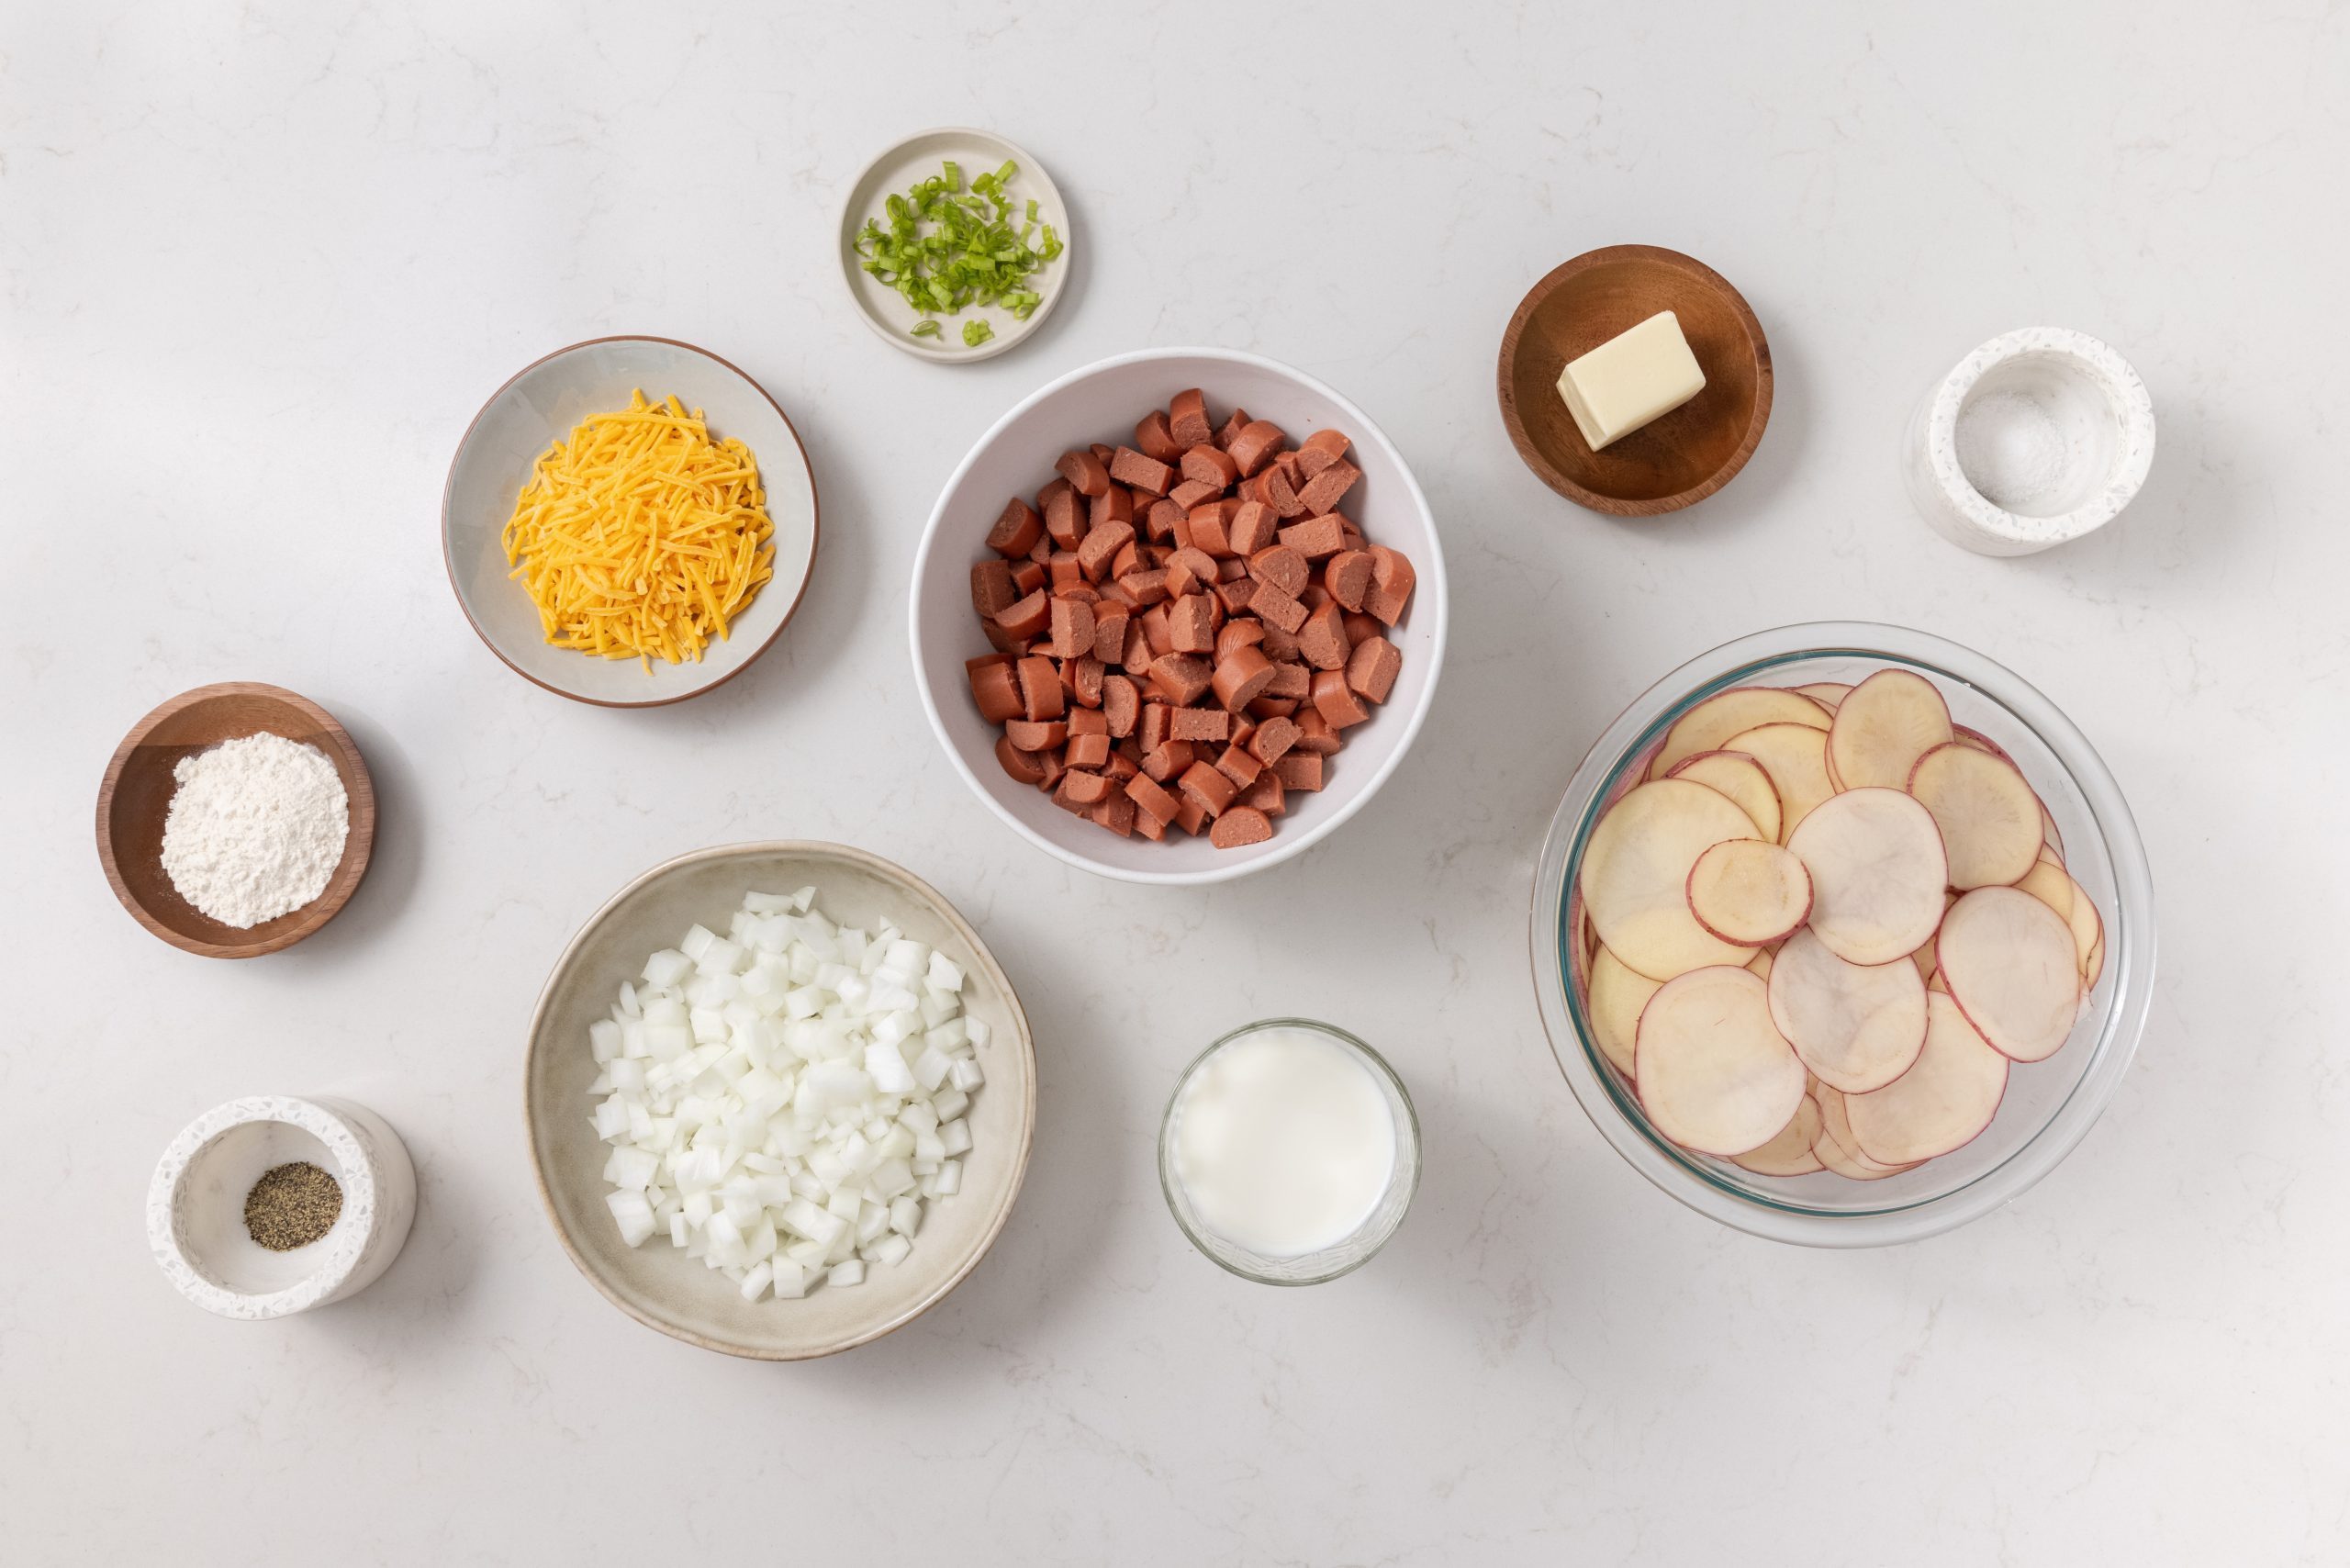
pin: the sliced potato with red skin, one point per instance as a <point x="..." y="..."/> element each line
<point x="1635" y="876"/>
<point x="1878" y="873"/>
<point x="1789" y="1151"/>
<point x="1827" y="693"/>
<point x="1711" y="1070"/>
<point x="1988" y="816"/>
<point x="1617" y="993"/>
<point x="2093" y="967"/>
<point x="2011" y="966"/>
<point x="1883" y="726"/>
<point x="1749" y="891"/>
<point x="1711" y="723"/>
<point x="1740" y="777"/>
<point x="1960" y="735"/>
<point x="2049" y="837"/>
<point x="1941" y="1104"/>
<point x="2050" y="883"/>
<point x="1795" y="756"/>
<point x="1856" y="1026"/>
<point x="1838" y="1148"/>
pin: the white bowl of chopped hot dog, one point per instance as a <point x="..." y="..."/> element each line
<point x="1372" y="636"/>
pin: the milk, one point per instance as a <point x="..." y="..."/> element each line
<point x="1283" y="1142"/>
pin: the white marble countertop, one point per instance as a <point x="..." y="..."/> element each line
<point x="260" y="265"/>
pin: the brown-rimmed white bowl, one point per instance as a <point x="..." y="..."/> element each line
<point x="539" y="406"/>
<point x="1681" y="458"/>
<point x="135" y="797"/>
<point x="658" y="1285"/>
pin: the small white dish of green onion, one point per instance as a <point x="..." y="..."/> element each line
<point x="955" y="244"/>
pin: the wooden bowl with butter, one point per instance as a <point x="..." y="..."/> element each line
<point x="1682" y="456"/>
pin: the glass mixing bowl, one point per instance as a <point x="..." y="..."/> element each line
<point x="2050" y="1105"/>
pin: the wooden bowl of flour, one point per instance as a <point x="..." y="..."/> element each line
<point x="136" y="797"/>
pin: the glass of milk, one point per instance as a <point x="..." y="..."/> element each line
<point x="1289" y="1152"/>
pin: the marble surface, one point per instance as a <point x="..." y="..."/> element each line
<point x="262" y="262"/>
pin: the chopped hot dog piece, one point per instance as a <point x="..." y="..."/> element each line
<point x="1021" y="765"/>
<point x="1252" y="527"/>
<point x="1280" y="646"/>
<point x="1116" y="504"/>
<point x="1234" y="596"/>
<point x="1065" y="519"/>
<point x="1199" y="724"/>
<point x="1016" y="531"/>
<point x="1237" y="764"/>
<point x="1026" y="617"/>
<point x="1196" y="561"/>
<point x="1229" y="431"/>
<point x="1065" y="571"/>
<point x="1291" y="679"/>
<point x="1181" y="579"/>
<point x="1191" y="492"/>
<point x="1152" y="734"/>
<point x="1147" y="586"/>
<point x="1272" y="739"/>
<point x="1084" y="676"/>
<point x="1320" y="450"/>
<point x="1211" y="526"/>
<point x="1266" y="708"/>
<point x="1322" y="639"/>
<point x="1152" y="435"/>
<point x="991" y="588"/>
<point x="1371" y="668"/>
<point x="1205" y="787"/>
<point x="1278" y="493"/>
<point x="1040" y="688"/>
<point x="1268" y="795"/>
<point x="1157" y="632"/>
<point x="1300" y="770"/>
<point x="1276" y="608"/>
<point x="1084" y="788"/>
<point x="1391" y="581"/>
<point x="1315" y="538"/>
<point x="1190" y="623"/>
<point x="1117" y="813"/>
<point x="1363" y="627"/>
<point x="1138" y="654"/>
<point x="1168" y="759"/>
<point x="1346" y="578"/>
<point x="1128" y="467"/>
<point x="1090" y="752"/>
<point x="1087" y="721"/>
<point x="1243" y="634"/>
<point x="1109" y="632"/>
<point x="1241" y="676"/>
<point x="1324" y="490"/>
<point x="1121" y="704"/>
<point x="1072" y="629"/>
<point x="996" y="688"/>
<point x="1145" y="792"/>
<point x="1314" y="733"/>
<point x="1100" y="548"/>
<point x="1211" y="466"/>
<point x="1189" y="816"/>
<point x="1084" y="471"/>
<point x="1187" y="418"/>
<point x="1239" y="827"/>
<point x="1335" y="702"/>
<point x="1026" y="735"/>
<point x="1254" y="446"/>
<point x="1183" y="677"/>
<point x="1283" y="568"/>
<point x="1162" y="519"/>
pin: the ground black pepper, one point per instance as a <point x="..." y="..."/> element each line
<point x="292" y="1205"/>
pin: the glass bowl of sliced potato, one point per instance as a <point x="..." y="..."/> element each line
<point x="1844" y="935"/>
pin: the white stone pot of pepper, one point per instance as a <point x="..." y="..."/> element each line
<point x="333" y="1215"/>
<point x="2038" y="437"/>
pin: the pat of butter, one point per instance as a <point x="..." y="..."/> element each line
<point x="1631" y="379"/>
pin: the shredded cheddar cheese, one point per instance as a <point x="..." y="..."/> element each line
<point x="639" y="537"/>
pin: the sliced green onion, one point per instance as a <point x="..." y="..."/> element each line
<point x="926" y="328"/>
<point x="976" y="332"/>
<point x="943" y="250"/>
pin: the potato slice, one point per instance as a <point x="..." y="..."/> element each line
<point x="1789" y="1151"/>
<point x="2093" y="967"/>
<point x="1617" y="993"/>
<point x="2050" y="883"/>
<point x="1989" y="814"/>
<point x="2011" y="966"/>
<point x="1827" y="693"/>
<point x="1877" y="872"/>
<point x="1740" y="777"/>
<point x="1748" y="890"/>
<point x="1941" y="1104"/>
<point x="1838" y="1148"/>
<point x="1712" y="1072"/>
<point x="1856" y="1026"/>
<point x="1711" y="723"/>
<point x="1962" y="735"/>
<point x="1635" y="877"/>
<point x="1795" y="756"/>
<point x="1883" y="727"/>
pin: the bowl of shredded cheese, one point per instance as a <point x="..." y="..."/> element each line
<point x="629" y="521"/>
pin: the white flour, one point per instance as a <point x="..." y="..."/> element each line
<point x="2012" y="450"/>
<point x="256" y="828"/>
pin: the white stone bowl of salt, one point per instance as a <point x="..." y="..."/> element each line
<point x="2038" y="437"/>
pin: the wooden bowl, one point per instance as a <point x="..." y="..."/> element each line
<point x="136" y="796"/>
<point x="1682" y="457"/>
<point x="660" y="1285"/>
